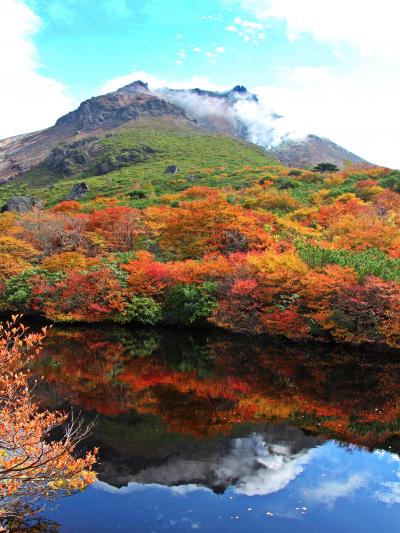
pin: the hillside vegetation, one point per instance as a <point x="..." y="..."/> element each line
<point x="210" y="159"/>
<point x="233" y="239"/>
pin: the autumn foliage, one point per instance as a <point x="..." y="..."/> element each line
<point x="206" y="385"/>
<point x="33" y="465"/>
<point x="302" y="254"/>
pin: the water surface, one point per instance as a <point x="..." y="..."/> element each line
<point x="220" y="433"/>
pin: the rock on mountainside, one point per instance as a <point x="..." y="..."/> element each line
<point x="226" y="113"/>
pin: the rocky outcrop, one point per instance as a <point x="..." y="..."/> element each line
<point x="92" y="157"/>
<point x="22" y="204"/>
<point x="78" y="191"/>
<point x="70" y="158"/>
<point x="172" y="169"/>
<point x="135" y="88"/>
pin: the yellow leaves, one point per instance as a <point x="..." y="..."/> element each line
<point x="292" y="228"/>
<point x="8" y="223"/>
<point x="270" y="262"/>
<point x="68" y="261"/>
<point x="302" y="214"/>
<point x="271" y="200"/>
<point x="277" y="273"/>
<point x="16" y="247"/>
<point x="96" y="239"/>
<point x="334" y="179"/>
<point x="320" y="197"/>
<point x="346" y="197"/>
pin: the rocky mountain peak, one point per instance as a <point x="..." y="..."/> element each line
<point x="239" y="89"/>
<point x="240" y="92"/>
<point x="135" y="87"/>
<point x="107" y="111"/>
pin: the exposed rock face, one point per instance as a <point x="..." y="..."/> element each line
<point x="22" y="204"/>
<point x="110" y="110"/>
<point x="311" y="151"/>
<point x="135" y="88"/>
<point x="9" y="169"/>
<point x="68" y="158"/>
<point x="172" y="169"/>
<point x="78" y="191"/>
<point x="91" y="155"/>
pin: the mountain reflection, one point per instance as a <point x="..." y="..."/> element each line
<point x="216" y="411"/>
<point x="259" y="464"/>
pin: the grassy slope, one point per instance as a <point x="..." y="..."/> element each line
<point x="212" y="158"/>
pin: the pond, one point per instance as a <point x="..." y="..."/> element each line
<point x="211" y="432"/>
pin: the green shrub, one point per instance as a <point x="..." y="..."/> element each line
<point x="142" y="310"/>
<point x="326" y="167"/>
<point x="189" y="304"/>
<point x="370" y="262"/>
<point x="18" y="290"/>
<point x="392" y="181"/>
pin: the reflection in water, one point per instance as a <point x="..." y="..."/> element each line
<point x="219" y="415"/>
<point x="259" y="463"/>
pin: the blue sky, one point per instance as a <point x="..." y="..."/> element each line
<point x="331" y="67"/>
<point x="84" y="45"/>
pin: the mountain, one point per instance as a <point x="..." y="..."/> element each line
<point x="238" y="112"/>
<point x="75" y="144"/>
<point x="272" y="452"/>
<point x="96" y="115"/>
<point x="313" y="150"/>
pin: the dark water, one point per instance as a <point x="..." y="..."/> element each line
<point x="223" y="434"/>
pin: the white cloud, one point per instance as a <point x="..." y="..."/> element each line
<point x="132" y="486"/>
<point x="356" y="103"/>
<point x="329" y="491"/>
<point x="390" y="493"/>
<point x="250" y="25"/>
<point x="261" y="468"/>
<point x="247" y="29"/>
<point x="28" y="100"/>
<point x="220" y="49"/>
<point x="357" y="110"/>
<point x="371" y="27"/>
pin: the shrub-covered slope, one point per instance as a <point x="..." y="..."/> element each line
<point x="247" y="245"/>
<point x="132" y="160"/>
